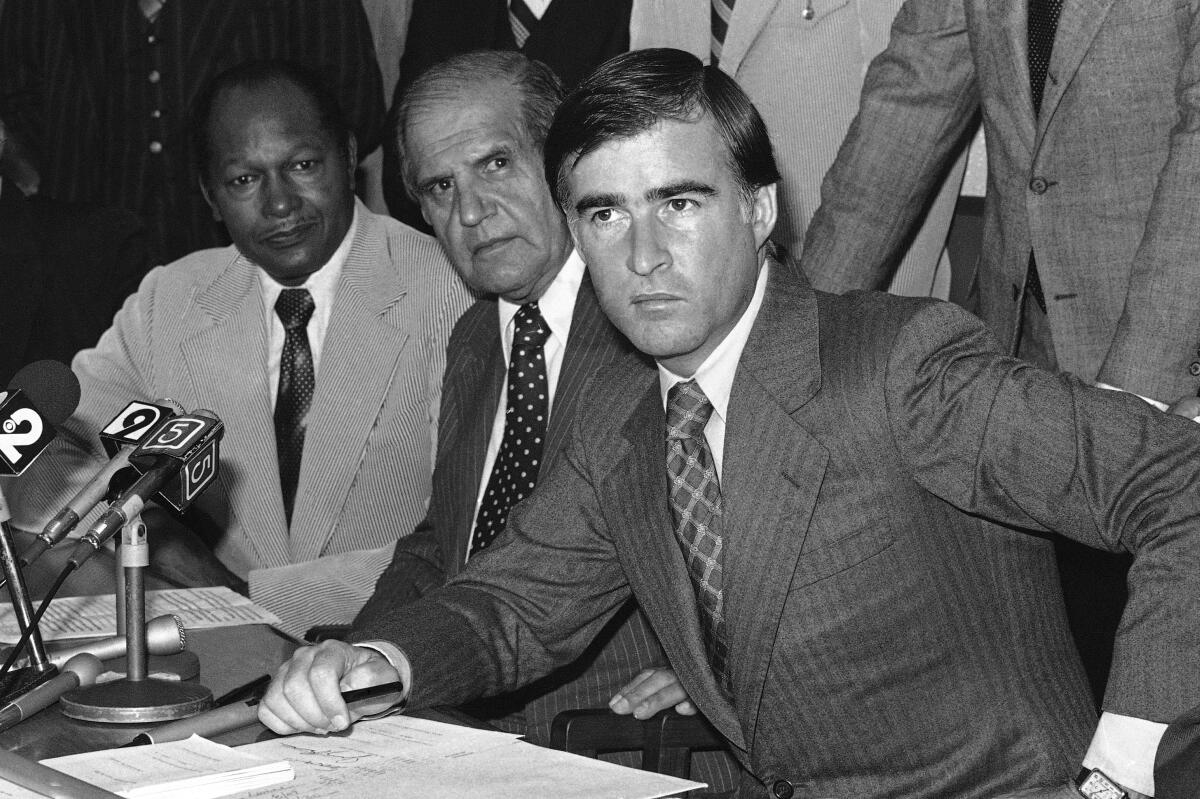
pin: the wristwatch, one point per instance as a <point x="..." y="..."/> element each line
<point x="1093" y="783"/>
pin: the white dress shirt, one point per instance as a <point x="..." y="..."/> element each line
<point x="322" y="285"/>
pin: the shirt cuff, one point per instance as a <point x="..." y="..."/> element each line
<point x="399" y="661"/>
<point x="1124" y="748"/>
<point x="1162" y="406"/>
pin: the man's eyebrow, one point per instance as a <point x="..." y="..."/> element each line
<point x="682" y="187"/>
<point x="500" y="151"/>
<point x="588" y="201"/>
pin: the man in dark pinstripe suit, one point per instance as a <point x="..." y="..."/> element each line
<point x="472" y="147"/>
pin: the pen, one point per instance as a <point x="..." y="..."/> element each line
<point x="239" y="714"/>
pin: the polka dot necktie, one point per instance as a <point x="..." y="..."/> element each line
<point x="1043" y="26"/>
<point x="515" y="472"/>
<point x="695" y="499"/>
<point x="296" y="383"/>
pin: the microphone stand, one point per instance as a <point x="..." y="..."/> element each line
<point x="138" y="698"/>
<point x="40" y="668"/>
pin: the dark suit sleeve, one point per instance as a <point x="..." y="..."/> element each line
<point x="1155" y="347"/>
<point x="415" y="570"/>
<point x="918" y="99"/>
<point x="500" y="625"/>
<point x="1030" y="449"/>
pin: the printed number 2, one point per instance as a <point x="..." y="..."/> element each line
<point x="11" y="440"/>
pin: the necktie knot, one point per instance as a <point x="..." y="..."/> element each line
<point x="530" y="329"/>
<point x="688" y="410"/>
<point x="295" y="308"/>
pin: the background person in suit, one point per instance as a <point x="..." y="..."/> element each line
<point x="1088" y="252"/>
<point x="842" y="570"/>
<point x="66" y="269"/>
<point x="471" y="132"/>
<point x="802" y="63"/>
<point x="570" y="36"/>
<point x="330" y="420"/>
<point x="98" y="94"/>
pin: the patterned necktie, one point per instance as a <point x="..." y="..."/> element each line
<point x="719" y="16"/>
<point x="515" y="472"/>
<point x="296" y="383"/>
<point x="695" y="496"/>
<point x="1043" y="25"/>
<point x="522" y="20"/>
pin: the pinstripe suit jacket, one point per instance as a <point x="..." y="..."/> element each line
<point x="886" y="639"/>
<point x="63" y="93"/>
<point x="1100" y="185"/>
<point x="196" y="331"/>
<point x="437" y="550"/>
<point x="804" y="76"/>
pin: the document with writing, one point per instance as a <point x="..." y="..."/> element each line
<point x="88" y="616"/>
<point x="404" y="756"/>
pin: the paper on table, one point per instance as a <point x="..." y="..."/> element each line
<point x="87" y="616"/>
<point x="192" y="769"/>
<point x="402" y="756"/>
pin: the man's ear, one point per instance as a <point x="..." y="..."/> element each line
<point x="216" y="212"/>
<point x="764" y="213"/>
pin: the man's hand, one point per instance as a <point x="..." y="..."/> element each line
<point x="1189" y="407"/>
<point x="305" y="693"/>
<point x="649" y="692"/>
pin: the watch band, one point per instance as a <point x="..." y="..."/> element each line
<point x="1093" y="783"/>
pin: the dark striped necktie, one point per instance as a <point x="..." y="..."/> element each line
<point x="522" y="20"/>
<point x="722" y="10"/>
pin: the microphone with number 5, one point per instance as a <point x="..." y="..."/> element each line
<point x="176" y="462"/>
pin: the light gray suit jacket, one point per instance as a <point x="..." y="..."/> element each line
<point x="804" y="76"/>
<point x="1101" y="185"/>
<point x="886" y="639"/>
<point x="196" y="332"/>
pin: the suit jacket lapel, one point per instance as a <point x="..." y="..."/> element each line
<point x="652" y="558"/>
<point x="1078" y="24"/>
<point x="1010" y="48"/>
<point x="84" y="25"/>
<point x="479" y="377"/>
<point x="593" y="341"/>
<point x="772" y="474"/>
<point x="366" y="337"/>
<point x="235" y="338"/>
<point x="747" y="21"/>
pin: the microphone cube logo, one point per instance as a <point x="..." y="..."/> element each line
<point x="23" y="432"/>
<point x="176" y="436"/>
<point x="135" y="421"/>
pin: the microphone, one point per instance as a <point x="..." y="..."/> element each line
<point x="177" y="462"/>
<point x="82" y="669"/>
<point x="165" y="635"/>
<point x="120" y="437"/>
<point x="46" y="386"/>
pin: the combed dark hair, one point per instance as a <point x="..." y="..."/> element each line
<point x="628" y="94"/>
<point x="540" y="89"/>
<point x="255" y="74"/>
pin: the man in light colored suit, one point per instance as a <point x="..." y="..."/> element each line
<point x="802" y="63"/>
<point x="1093" y="160"/>
<point x="309" y="524"/>
<point x="828" y="506"/>
<point x="470" y="133"/>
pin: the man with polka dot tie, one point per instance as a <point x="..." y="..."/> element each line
<point x="471" y="131"/>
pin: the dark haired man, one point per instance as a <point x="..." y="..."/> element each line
<point x="827" y="506"/>
<point x="318" y="338"/>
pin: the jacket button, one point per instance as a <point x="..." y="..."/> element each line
<point x="1194" y="368"/>
<point x="1038" y="185"/>
<point x="782" y="789"/>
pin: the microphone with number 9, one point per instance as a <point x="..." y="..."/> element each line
<point x="176" y="462"/>
<point x="120" y="436"/>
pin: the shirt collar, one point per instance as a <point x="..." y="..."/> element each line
<point x="557" y="303"/>
<point x="715" y="375"/>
